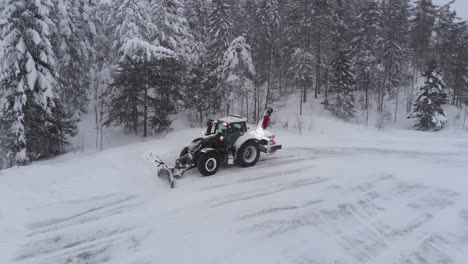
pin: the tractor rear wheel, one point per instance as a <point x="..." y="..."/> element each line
<point x="248" y="154"/>
<point x="208" y="163"/>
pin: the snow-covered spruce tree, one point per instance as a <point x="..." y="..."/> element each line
<point x="395" y="45"/>
<point x="173" y="31"/>
<point x="74" y="42"/>
<point x="428" y="106"/>
<point x="199" y="97"/>
<point x="443" y="45"/>
<point x="451" y="49"/>
<point x="133" y="35"/>
<point x="238" y="75"/>
<point x="341" y="100"/>
<point x="365" y="47"/>
<point x="301" y="70"/>
<point x="220" y="30"/>
<point x="141" y="70"/>
<point x="300" y="28"/>
<point x="422" y="27"/>
<point x="33" y="123"/>
<point x="220" y="26"/>
<point x="266" y="36"/>
<point x="133" y="21"/>
<point x="323" y="19"/>
<point x="342" y="86"/>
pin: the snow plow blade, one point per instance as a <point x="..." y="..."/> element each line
<point x="165" y="173"/>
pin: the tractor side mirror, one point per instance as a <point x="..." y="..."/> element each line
<point x="208" y="128"/>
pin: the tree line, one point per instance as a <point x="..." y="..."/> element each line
<point x="133" y="62"/>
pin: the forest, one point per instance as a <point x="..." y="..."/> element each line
<point x="132" y="63"/>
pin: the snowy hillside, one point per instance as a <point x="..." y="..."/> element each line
<point x="359" y="197"/>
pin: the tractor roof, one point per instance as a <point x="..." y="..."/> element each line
<point x="233" y="119"/>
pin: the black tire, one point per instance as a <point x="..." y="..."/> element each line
<point x="208" y="163"/>
<point x="183" y="152"/>
<point x="248" y="154"/>
<point x="196" y="140"/>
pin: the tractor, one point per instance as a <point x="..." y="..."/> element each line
<point x="226" y="141"/>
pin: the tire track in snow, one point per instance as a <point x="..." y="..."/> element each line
<point x="62" y="240"/>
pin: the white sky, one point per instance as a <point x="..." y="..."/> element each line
<point x="461" y="6"/>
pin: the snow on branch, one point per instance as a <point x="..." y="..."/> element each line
<point x="139" y="50"/>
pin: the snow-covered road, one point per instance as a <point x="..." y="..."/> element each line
<point x="369" y="197"/>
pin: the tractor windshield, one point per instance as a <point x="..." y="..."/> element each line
<point x="220" y="127"/>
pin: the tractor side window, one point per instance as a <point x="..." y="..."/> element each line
<point x="237" y="127"/>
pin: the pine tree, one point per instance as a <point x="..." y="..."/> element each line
<point x="395" y="51"/>
<point x="266" y="36"/>
<point x="197" y="14"/>
<point x="451" y="50"/>
<point x="220" y="30"/>
<point x="238" y="75"/>
<point x="459" y="62"/>
<point x="74" y="43"/>
<point x="301" y="71"/>
<point x="173" y="32"/>
<point x="428" y="106"/>
<point x="138" y="54"/>
<point x="365" y="49"/>
<point x="323" y="15"/>
<point x="34" y="124"/>
<point x="133" y="23"/>
<point x="136" y="75"/>
<point x="422" y="26"/>
<point x="300" y="27"/>
<point x="342" y="86"/>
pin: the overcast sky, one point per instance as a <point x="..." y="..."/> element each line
<point x="461" y="6"/>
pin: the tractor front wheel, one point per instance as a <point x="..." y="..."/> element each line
<point x="208" y="163"/>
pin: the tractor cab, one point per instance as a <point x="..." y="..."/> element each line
<point x="229" y="128"/>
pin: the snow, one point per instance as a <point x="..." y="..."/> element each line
<point x="233" y="119"/>
<point x="139" y="50"/>
<point x="337" y="194"/>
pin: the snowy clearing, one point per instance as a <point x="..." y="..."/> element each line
<point x="367" y="197"/>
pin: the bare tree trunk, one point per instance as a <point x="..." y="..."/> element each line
<point x="200" y="114"/>
<point x="280" y="77"/>
<point x="255" y="110"/>
<point x="267" y="101"/>
<point x="101" y="115"/>
<point x="366" y="103"/>
<point x="135" y="114"/>
<point x="409" y="101"/>
<point x="96" y="102"/>
<point x="247" y="106"/>
<point x="300" y="105"/>
<point x="326" y="89"/>
<point x="145" y="109"/>
<point x="396" y="103"/>
<point x="319" y="62"/>
<point x="304" y="97"/>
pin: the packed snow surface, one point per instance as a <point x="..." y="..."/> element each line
<point x="357" y="197"/>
